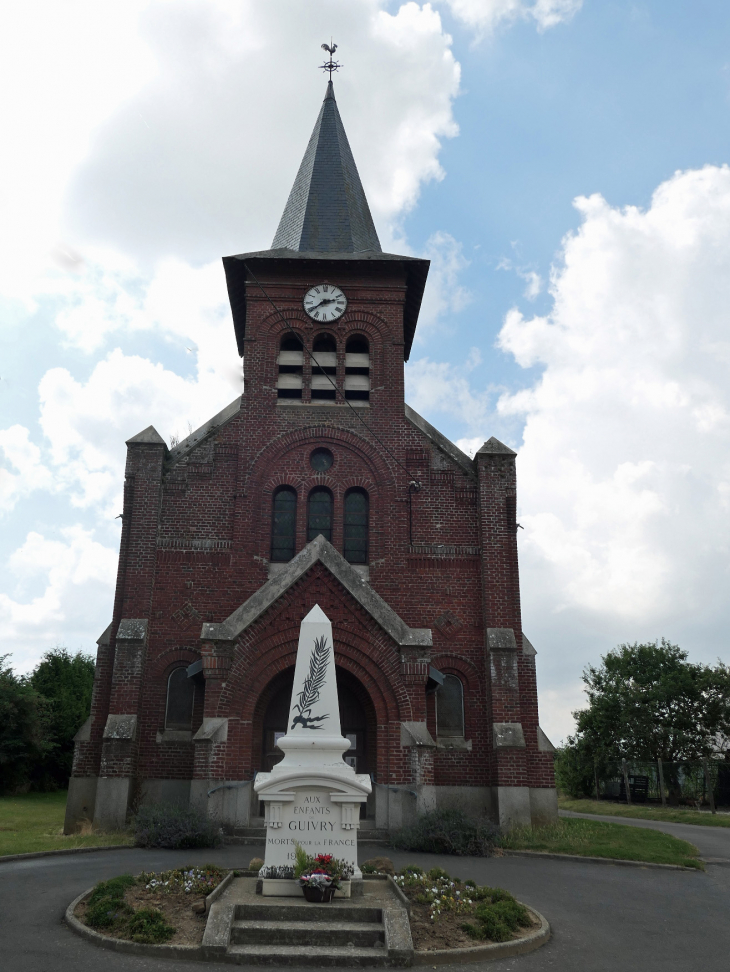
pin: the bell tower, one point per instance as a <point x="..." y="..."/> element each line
<point x="325" y="317"/>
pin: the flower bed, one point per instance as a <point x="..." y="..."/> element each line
<point x="153" y="908"/>
<point x="450" y="913"/>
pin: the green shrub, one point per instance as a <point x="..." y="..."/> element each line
<point x="448" y="832"/>
<point x="498" y="917"/>
<point x="147" y="925"/>
<point x="168" y="825"/>
<point x="106" y="907"/>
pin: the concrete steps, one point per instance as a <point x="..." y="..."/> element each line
<point x="316" y="935"/>
<point x="329" y="957"/>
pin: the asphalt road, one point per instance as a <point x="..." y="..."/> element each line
<point x="604" y="917"/>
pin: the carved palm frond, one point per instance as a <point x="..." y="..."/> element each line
<point x="315" y="677"/>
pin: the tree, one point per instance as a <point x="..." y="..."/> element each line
<point x="24" y="729"/>
<point x="646" y="702"/>
<point x="66" y="681"/>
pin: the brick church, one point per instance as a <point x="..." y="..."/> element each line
<point x="318" y="485"/>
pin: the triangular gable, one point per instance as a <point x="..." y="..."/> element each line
<point x="320" y="551"/>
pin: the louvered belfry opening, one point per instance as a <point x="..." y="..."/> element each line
<point x="291" y="364"/>
<point x="324" y="368"/>
<point x="357" y="368"/>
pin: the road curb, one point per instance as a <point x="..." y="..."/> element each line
<point x="70" y="850"/>
<point x="450" y="956"/>
<point x="598" y="860"/>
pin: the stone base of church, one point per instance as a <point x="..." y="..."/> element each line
<point x="234" y="804"/>
<point x="80" y="802"/>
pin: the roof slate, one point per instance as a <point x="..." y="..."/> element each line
<point x="327" y="211"/>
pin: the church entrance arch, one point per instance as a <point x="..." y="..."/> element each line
<point x="357" y="719"/>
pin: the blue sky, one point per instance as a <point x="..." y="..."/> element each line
<point x="562" y="163"/>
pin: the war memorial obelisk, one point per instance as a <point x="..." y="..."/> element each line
<point x="312" y="797"/>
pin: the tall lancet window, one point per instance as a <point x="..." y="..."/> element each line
<point x="319" y="518"/>
<point x="356" y="526"/>
<point x="284" y="524"/>
<point x="450" y="707"/>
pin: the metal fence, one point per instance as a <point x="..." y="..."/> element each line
<point x="686" y="784"/>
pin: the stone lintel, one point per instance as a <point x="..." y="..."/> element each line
<point x="213" y="729"/>
<point x="501" y="639"/>
<point x="416" y="734"/>
<point x="543" y="743"/>
<point x="132" y="630"/>
<point x="321" y="551"/>
<point x="120" y="727"/>
<point x="508" y="735"/>
<point x="83" y="734"/>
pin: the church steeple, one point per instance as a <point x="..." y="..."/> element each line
<point x="327" y="211"/>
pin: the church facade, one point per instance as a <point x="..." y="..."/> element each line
<point x="318" y="486"/>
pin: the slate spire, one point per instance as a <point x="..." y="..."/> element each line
<point x="327" y="211"/>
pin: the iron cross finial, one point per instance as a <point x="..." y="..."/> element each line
<point x="330" y="65"/>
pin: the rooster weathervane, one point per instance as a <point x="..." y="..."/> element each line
<point x="330" y="65"/>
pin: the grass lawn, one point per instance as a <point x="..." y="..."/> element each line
<point x="34" y="822"/>
<point x="642" y="812"/>
<point x="594" y="838"/>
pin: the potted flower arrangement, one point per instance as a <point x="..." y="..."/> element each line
<point x="320" y="876"/>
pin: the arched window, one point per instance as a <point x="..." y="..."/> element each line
<point x="356" y="526"/>
<point x="450" y="707"/>
<point x="180" y="698"/>
<point x="290" y="361"/>
<point x="284" y="524"/>
<point x="324" y="368"/>
<point x="357" y="368"/>
<point x="319" y="519"/>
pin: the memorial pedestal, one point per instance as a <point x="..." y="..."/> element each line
<point x="312" y="797"/>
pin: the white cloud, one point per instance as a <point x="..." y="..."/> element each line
<point x="433" y="386"/>
<point x="210" y="144"/>
<point x="24" y="472"/>
<point x="624" y="472"/>
<point x="444" y="294"/>
<point x="76" y="575"/>
<point x="484" y="15"/>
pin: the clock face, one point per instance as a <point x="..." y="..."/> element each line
<point x="325" y="302"/>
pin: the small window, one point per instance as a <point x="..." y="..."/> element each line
<point x="450" y="707"/>
<point x="290" y="363"/>
<point x="180" y="698"/>
<point x="320" y="514"/>
<point x="324" y="368"/>
<point x="321" y="460"/>
<point x="356" y="526"/>
<point x="357" y="368"/>
<point x="284" y="524"/>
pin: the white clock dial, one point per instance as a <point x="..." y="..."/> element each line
<point x="325" y="302"/>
